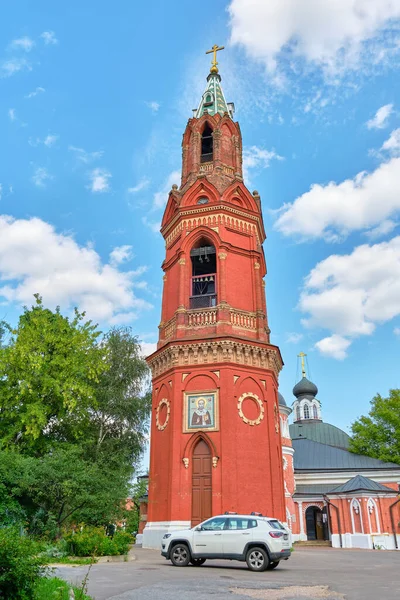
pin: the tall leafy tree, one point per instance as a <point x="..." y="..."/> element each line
<point x="116" y="425"/>
<point x="378" y="434"/>
<point x="48" y="370"/>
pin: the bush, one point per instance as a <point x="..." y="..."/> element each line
<point x="20" y="568"/>
<point x="93" y="541"/>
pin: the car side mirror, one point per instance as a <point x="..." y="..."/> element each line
<point x="198" y="528"/>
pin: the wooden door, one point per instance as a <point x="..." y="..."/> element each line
<point x="201" y="483"/>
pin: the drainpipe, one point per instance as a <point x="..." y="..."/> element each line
<point x="391" y="507"/>
<point x="329" y="503"/>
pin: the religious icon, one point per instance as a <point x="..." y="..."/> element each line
<point x="200" y="411"/>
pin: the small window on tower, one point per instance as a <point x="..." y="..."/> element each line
<point x="202" y="200"/>
<point x="206" y="145"/>
<point x="208" y="100"/>
<point x="315" y="411"/>
<point x="306" y="411"/>
<point x="298" y="413"/>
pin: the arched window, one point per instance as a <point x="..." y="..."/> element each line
<point x="204" y="275"/>
<point x="315" y="411"/>
<point x="373" y="518"/>
<point x="356" y="516"/>
<point x="206" y="144"/>
<point x="298" y="417"/>
<point x="306" y="411"/>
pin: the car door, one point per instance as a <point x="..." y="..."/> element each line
<point x="207" y="538"/>
<point x="239" y="531"/>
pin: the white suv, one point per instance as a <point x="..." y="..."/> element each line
<point x="260" y="541"/>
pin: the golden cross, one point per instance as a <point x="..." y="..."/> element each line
<point x="214" y="50"/>
<point x="303" y="369"/>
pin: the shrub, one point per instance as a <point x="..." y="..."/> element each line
<point x="20" y="568"/>
<point x="93" y="541"/>
<point x="56" y="589"/>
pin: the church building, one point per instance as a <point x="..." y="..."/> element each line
<point x="332" y="494"/>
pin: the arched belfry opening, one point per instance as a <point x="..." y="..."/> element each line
<point x="203" y="287"/>
<point x="206" y="144"/>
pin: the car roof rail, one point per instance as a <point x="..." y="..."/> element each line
<point x="229" y="512"/>
<point x="256" y="514"/>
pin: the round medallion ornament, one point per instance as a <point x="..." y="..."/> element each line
<point x="162" y="414"/>
<point x="250" y="408"/>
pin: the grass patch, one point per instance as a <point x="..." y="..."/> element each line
<point x="56" y="589"/>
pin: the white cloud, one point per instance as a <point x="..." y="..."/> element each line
<point x="335" y="34"/>
<point x="34" y="258"/>
<point x="155" y="226"/>
<point x="38" y="90"/>
<point x="49" y="37"/>
<point x="12" y="114"/>
<point x="396" y="331"/>
<point x="13" y="65"/>
<point x="257" y="158"/>
<point x="351" y="294"/>
<point x="154" y="106"/>
<point x="392" y="144"/>
<point x="380" y="120"/>
<point x="334" y="346"/>
<point x="40" y="176"/>
<point x="121" y="254"/>
<point x="50" y="140"/>
<point x="331" y="211"/>
<point x="86" y="157"/>
<point x="25" y="43"/>
<point x="143" y="183"/>
<point x="99" y="180"/>
<point x="294" y="338"/>
<point x="160" y="198"/>
<point x="381" y="230"/>
<point x="148" y="348"/>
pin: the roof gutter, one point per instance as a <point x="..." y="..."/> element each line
<point x="329" y="503"/>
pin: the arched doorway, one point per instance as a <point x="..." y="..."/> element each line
<point x="317" y="523"/>
<point x="201" y="483"/>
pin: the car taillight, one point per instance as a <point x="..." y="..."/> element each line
<point x="276" y="534"/>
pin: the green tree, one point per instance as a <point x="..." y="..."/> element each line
<point x="378" y="434"/>
<point x="48" y="370"/>
<point x="116" y="424"/>
<point x="66" y="488"/>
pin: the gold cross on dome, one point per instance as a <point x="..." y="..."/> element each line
<point x="303" y="368"/>
<point x="214" y="50"/>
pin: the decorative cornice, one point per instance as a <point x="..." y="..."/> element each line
<point x="199" y="217"/>
<point x="211" y="352"/>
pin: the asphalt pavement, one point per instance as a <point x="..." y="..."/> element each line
<point x="311" y="573"/>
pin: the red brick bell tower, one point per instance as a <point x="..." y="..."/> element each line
<point x="215" y="434"/>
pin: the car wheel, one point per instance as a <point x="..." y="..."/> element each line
<point x="257" y="559"/>
<point x="273" y="565"/>
<point x="180" y="555"/>
<point x="197" y="562"/>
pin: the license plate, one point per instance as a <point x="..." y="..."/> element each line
<point x="285" y="536"/>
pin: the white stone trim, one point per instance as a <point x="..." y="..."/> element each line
<point x="372" y="502"/>
<point x="354" y="507"/>
<point x="154" y="531"/>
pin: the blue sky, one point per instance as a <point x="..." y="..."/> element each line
<point x="94" y="100"/>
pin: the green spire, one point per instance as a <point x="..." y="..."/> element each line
<point x="213" y="100"/>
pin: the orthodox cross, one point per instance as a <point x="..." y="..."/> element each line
<point x="303" y="369"/>
<point x="214" y="50"/>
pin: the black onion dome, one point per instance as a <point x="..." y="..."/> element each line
<point x="305" y="388"/>
<point x="281" y="400"/>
